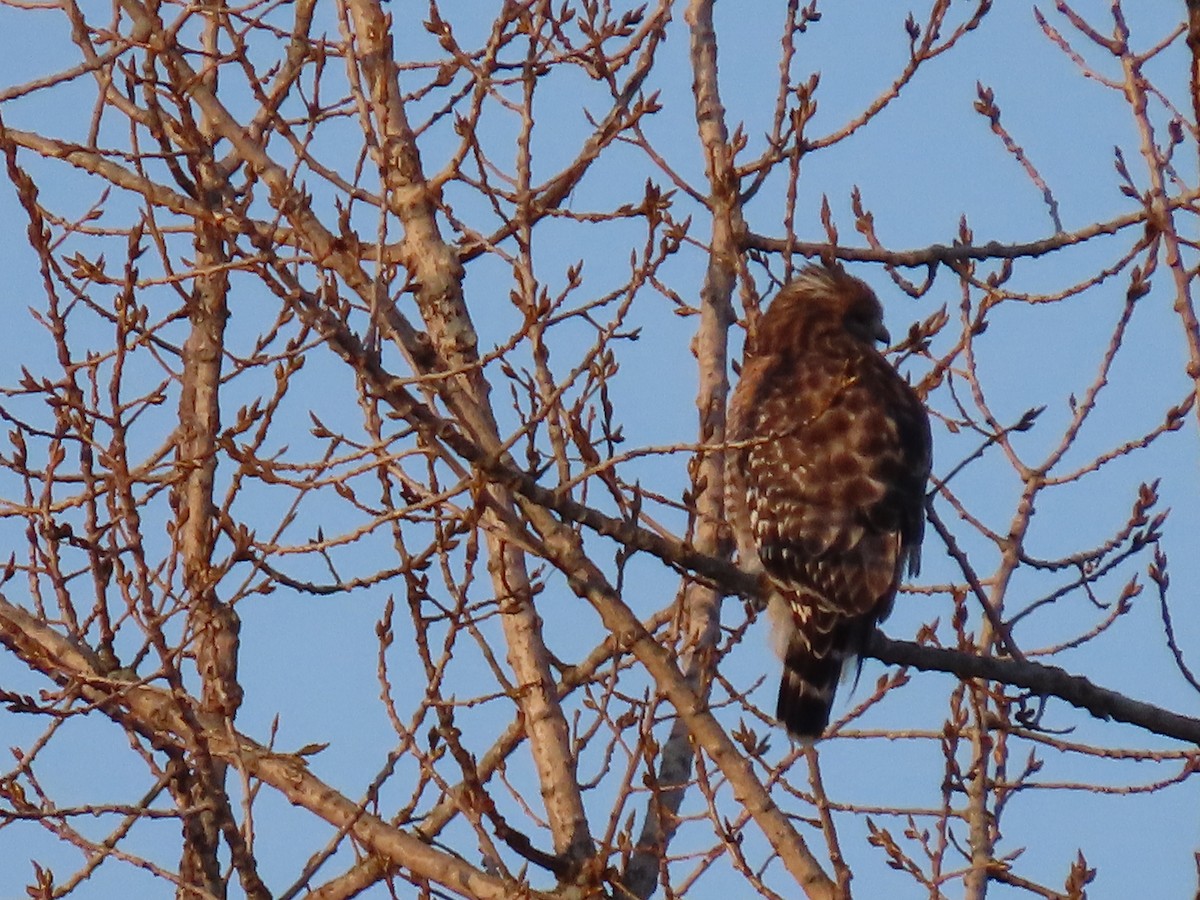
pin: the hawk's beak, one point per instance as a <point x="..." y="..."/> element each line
<point x="882" y="335"/>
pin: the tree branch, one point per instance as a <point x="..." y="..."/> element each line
<point x="1046" y="681"/>
<point x="159" y="715"/>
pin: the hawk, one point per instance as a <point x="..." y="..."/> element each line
<point x="830" y="458"/>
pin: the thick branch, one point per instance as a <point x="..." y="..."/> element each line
<point x="157" y="714"/>
<point x="1046" y="681"/>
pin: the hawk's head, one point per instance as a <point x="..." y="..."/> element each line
<point x="821" y="296"/>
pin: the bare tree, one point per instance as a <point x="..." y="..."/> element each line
<point x="360" y="537"/>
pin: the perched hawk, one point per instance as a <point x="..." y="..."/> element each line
<point x="827" y="480"/>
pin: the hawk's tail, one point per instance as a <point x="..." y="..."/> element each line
<point x="809" y="682"/>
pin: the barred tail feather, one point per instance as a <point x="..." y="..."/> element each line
<point x="807" y="688"/>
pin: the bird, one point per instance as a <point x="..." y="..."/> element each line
<point x="829" y="456"/>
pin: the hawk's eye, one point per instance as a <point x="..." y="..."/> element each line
<point x="866" y="324"/>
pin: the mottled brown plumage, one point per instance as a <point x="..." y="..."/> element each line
<point x="827" y="480"/>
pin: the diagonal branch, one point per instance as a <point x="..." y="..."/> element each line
<point x="1046" y="681"/>
<point x="157" y="714"/>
